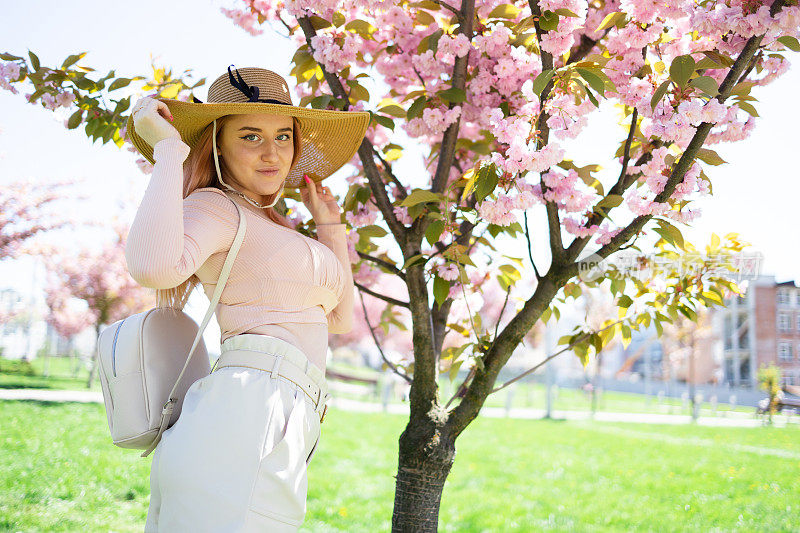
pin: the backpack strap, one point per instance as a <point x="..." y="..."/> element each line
<point x="166" y="413"/>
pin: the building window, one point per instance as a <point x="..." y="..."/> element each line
<point x="798" y="322"/>
<point x="784" y="322"/>
<point x="783" y="297"/>
<point x="784" y="351"/>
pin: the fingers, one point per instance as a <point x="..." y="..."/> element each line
<point x="163" y="110"/>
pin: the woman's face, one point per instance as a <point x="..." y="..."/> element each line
<point x="253" y="144"/>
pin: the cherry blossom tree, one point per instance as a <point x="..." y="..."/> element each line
<point x="25" y="213"/>
<point x="100" y="278"/>
<point x="492" y="91"/>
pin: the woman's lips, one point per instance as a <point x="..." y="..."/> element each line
<point x="268" y="172"/>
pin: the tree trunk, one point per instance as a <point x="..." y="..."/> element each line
<point x="424" y="462"/>
<point x="94" y="356"/>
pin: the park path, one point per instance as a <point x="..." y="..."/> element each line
<point x="729" y="420"/>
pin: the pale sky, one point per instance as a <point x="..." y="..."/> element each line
<point x="754" y="193"/>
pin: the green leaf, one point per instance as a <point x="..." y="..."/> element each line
<point x="548" y="21"/>
<point x="393" y="110"/>
<point x="718" y="58"/>
<point x="595" y="81"/>
<point x="372" y="231"/>
<point x="712" y="296"/>
<point x="564" y="12"/>
<point x="75" y="119"/>
<point x="34" y="60"/>
<point x="681" y="70"/>
<point x="453" y="94"/>
<point x="744" y="106"/>
<point x="659" y="94"/>
<point x="709" y="156"/>
<point x="504" y="11"/>
<point x="790" y="42"/>
<point x="416" y="108"/>
<point x="565" y="340"/>
<point x="612" y="200"/>
<point x="509" y="276"/>
<point x="433" y="40"/>
<point x="612" y="19"/>
<point x="453" y="372"/>
<point x="321" y="102"/>
<point x="659" y="327"/>
<point x="441" y="288"/>
<point x="5" y="56"/>
<point x="742" y="88"/>
<point x="318" y="22"/>
<point x="71" y="60"/>
<point x="386" y="122"/>
<point x="419" y="258"/>
<point x="707" y="84"/>
<point x="541" y="81"/>
<point x="119" y="83"/>
<point x="486" y="182"/>
<point x="122" y="105"/>
<point x="670" y="233"/>
<point x="588" y="93"/>
<point x="687" y="312"/>
<point x="434" y="231"/>
<point x="357" y="91"/>
<point x="626" y="335"/>
<point x="361" y="27"/>
<point x="419" y="196"/>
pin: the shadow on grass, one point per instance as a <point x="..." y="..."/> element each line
<point x="48" y="403"/>
<point x="25" y="385"/>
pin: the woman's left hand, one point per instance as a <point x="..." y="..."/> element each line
<point x="320" y="202"/>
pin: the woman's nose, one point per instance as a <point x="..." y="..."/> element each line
<point x="270" y="152"/>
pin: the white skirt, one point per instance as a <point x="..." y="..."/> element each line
<point x="236" y="458"/>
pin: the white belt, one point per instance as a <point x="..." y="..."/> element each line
<point x="279" y="365"/>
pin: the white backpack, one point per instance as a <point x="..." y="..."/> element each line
<point x="144" y="372"/>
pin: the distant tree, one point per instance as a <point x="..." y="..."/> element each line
<point x="98" y="277"/>
<point x="25" y="213"/>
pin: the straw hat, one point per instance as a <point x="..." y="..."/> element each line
<point x="330" y="138"/>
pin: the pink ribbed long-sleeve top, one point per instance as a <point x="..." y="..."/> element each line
<point x="282" y="283"/>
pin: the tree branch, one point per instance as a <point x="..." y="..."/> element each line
<point x="545" y="360"/>
<point x="378" y="344"/>
<point x="459" y="81"/>
<point x="530" y="253"/>
<point x="365" y="150"/>
<point x="402" y="193"/>
<point x="553" y="221"/>
<point x="458" y="13"/>
<point x="386" y="264"/>
<point x="585" y="46"/>
<point x="387" y="299"/>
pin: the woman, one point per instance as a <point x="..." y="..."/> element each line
<point x="236" y="458"/>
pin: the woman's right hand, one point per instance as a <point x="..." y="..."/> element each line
<point x="150" y="122"/>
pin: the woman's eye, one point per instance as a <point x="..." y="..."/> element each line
<point x="288" y="137"/>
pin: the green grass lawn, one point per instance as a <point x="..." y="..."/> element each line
<point x="59" y="471"/>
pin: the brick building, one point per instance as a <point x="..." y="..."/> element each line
<point x="761" y="327"/>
